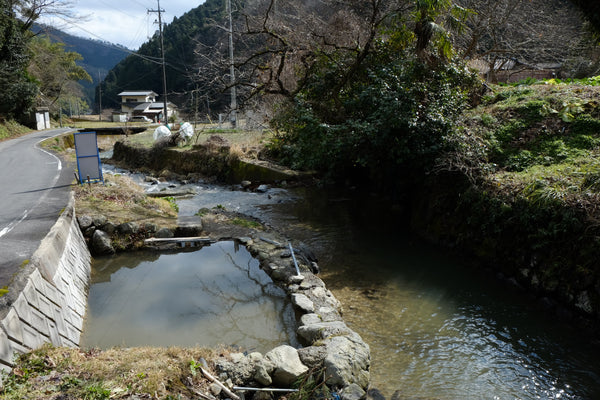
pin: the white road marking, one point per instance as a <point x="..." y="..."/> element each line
<point x="58" y="162"/>
<point x="47" y="152"/>
<point x="14" y="223"/>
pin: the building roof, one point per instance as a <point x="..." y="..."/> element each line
<point x="138" y="93"/>
<point x="158" y="104"/>
<point x="141" y="106"/>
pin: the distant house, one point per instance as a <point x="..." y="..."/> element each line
<point x="137" y="103"/>
<point x="511" y="70"/>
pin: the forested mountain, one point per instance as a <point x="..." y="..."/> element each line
<point x="267" y="30"/>
<point x="98" y="57"/>
<point x="182" y="38"/>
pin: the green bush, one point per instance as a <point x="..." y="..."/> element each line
<point x="391" y="122"/>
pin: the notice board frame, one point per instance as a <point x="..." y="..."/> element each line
<point x="89" y="165"/>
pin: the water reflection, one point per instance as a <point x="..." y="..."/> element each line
<point x="216" y="295"/>
<point x="436" y="328"/>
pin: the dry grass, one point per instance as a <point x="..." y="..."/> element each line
<point x="244" y="143"/>
<point x="121" y="200"/>
<point x="145" y="372"/>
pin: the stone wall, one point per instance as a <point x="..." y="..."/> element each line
<point x="548" y="251"/>
<point x="46" y="302"/>
<point x="210" y="160"/>
<point x="329" y="345"/>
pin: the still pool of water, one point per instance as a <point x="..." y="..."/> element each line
<point x="212" y="296"/>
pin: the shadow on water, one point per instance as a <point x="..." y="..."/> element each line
<point x="212" y="296"/>
<point x="436" y="328"/>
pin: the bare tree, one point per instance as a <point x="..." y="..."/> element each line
<point x="528" y="32"/>
<point x="29" y="11"/>
<point x="278" y="43"/>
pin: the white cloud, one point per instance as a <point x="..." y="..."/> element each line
<point x="126" y="22"/>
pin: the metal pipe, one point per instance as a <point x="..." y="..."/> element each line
<point x="294" y="258"/>
<point x="265" y="389"/>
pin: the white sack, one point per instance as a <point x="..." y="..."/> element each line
<point x="186" y="130"/>
<point x="161" y="132"/>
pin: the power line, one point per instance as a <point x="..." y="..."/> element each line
<point x="162" y="54"/>
<point x="106" y="43"/>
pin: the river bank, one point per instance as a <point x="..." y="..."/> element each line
<point x="333" y="357"/>
<point x="476" y="223"/>
<point x="548" y="249"/>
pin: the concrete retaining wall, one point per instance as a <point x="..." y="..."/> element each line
<point x="47" y="300"/>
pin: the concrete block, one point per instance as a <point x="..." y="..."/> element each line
<point x="68" y="343"/>
<point x="54" y="335"/>
<point x="31" y="294"/>
<point x="81" y="283"/>
<point x="69" y="295"/>
<point x="22" y="308"/>
<point x="45" y="306"/>
<point x="60" y="289"/>
<point x="32" y="338"/>
<point x="6" y="350"/>
<point x="78" y="288"/>
<point x="61" y="279"/>
<point x="72" y="334"/>
<point x="13" y="326"/>
<point x="50" y="291"/>
<point x="36" y="279"/>
<point x="59" y="318"/>
<point x="18" y="349"/>
<point x="80" y="305"/>
<point x="39" y="322"/>
<point x="69" y="316"/>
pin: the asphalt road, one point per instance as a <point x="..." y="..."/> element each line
<point x="34" y="188"/>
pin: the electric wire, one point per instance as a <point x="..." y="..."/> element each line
<point x="155" y="60"/>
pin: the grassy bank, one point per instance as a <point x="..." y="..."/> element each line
<point x="12" y="129"/>
<point x="121" y="200"/>
<point x="531" y="205"/>
<point x="542" y="143"/>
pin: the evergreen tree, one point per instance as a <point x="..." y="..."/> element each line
<point x="17" y="89"/>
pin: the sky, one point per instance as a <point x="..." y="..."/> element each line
<point x="124" y="22"/>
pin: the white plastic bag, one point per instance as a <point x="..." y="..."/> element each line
<point x="161" y="132"/>
<point x="186" y="130"/>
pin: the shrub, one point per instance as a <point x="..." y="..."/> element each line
<point x="389" y="122"/>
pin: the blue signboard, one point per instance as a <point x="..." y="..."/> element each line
<point x="88" y="157"/>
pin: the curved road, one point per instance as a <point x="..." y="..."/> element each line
<point x="34" y="188"/>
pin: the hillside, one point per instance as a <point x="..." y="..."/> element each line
<point x="530" y="209"/>
<point x="98" y="57"/>
<point x="181" y="38"/>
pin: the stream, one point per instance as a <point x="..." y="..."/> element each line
<point x="437" y="329"/>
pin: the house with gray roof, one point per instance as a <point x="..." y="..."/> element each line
<point x="137" y="103"/>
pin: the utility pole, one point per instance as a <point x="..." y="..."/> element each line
<point x="162" y="56"/>
<point x="232" y="69"/>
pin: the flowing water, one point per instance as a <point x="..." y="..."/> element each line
<point x="436" y="328"/>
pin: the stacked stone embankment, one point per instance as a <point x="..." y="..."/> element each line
<point x="46" y="301"/>
<point x="330" y="345"/>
